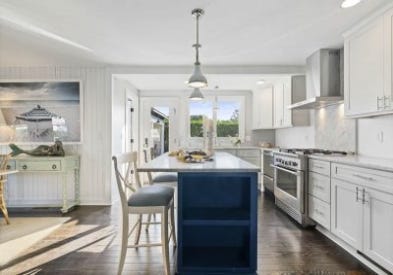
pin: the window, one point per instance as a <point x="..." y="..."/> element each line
<point x="226" y="112"/>
<point x="197" y="110"/>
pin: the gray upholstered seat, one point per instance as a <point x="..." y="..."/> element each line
<point x="165" y="177"/>
<point x="152" y="195"/>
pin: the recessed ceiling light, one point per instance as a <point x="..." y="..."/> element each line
<point x="350" y="3"/>
<point x="261" y="82"/>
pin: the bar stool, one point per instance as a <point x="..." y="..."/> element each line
<point x="149" y="199"/>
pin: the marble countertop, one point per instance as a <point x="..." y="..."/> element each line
<point x="222" y="162"/>
<point x="356" y="160"/>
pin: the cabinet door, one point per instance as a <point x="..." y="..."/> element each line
<point x="287" y="100"/>
<point x="263" y="108"/>
<point x="346" y="212"/>
<point x="388" y="89"/>
<point x="378" y="227"/>
<point x="364" y="70"/>
<point x="278" y="105"/>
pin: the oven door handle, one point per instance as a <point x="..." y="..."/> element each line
<point x="286" y="170"/>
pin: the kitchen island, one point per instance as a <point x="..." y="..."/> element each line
<point x="217" y="213"/>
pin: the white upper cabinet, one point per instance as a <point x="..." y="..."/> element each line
<point x="278" y="99"/>
<point x="367" y="68"/>
<point x="270" y="104"/>
<point x="263" y="108"/>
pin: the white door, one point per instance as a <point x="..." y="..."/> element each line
<point x="378" y="227"/>
<point x="159" y="124"/>
<point x="346" y="212"/>
<point x="364" y="70"/>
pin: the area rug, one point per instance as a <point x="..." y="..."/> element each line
<point x="23" y="232"/>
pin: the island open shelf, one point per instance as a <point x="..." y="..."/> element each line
<point x="217" y="222"/>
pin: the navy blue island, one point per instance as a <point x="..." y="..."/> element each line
<point x="216" y="214"/>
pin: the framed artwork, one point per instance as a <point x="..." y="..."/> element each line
<point x="40" y="111"/>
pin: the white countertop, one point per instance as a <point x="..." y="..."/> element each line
<point x="356" y="160"/>
<point x="222" y="162"/>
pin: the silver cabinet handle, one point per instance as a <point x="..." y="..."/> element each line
<point x="364" y="196"/>
<point x="389" y="102"/>
<point x="380" y="99"/>
<point x="317" y="166"/>
<point x="363" y="177"/>
<point x="357" y="194"/>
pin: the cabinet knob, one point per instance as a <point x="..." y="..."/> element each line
<point x="8" y="167"/>
<point x="54" y="166"/>
<point x="24" y="167"/>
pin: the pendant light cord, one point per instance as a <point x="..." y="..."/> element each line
<point x="197" y="45"/>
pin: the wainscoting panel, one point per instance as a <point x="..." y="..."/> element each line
<point x="95" y="150"/>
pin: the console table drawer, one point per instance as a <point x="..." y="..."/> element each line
<point x="11" y="165"/>
<point x="39" y="165"/>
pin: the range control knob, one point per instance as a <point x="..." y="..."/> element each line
<point x="294" y="163"/>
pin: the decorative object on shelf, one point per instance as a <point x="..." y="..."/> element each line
<point x="197" y="79"/>
<point x="196" y="94"/>
<point x="40" y="111"/>
<point x="236" y="141"/>
<point x="55" y="150"/>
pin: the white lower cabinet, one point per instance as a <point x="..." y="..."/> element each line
<point x="378" y="227"/>
<point x="362" y="211"/>
<point x="347" y="213"/>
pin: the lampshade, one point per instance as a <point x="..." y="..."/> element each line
<point x="196" y="94"/>
<point x="197" y="79"/>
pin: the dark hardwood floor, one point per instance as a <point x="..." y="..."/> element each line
<point x="89" y="244"/>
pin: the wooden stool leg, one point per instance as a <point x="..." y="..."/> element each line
<point x="138" y="230"/>
<point x="3" y="206"/>
<point x="124" y="242"/>
<point x="173" y="225"/>
<point x="164" y="240"/>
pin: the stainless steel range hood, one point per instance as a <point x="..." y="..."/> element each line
<point x="323" y="80"/>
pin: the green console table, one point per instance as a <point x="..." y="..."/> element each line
<point x="63" y="166"/>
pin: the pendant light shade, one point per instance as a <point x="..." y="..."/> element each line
<point x="197" y="79"/>
<point x="196" y="95"/>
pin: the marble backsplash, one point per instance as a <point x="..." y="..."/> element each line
<point x="333" y="131"/>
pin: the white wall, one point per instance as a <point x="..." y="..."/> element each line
<point x="375" y="136"/>
<point x="121" y="91"/>
<point x="95" y="151"/>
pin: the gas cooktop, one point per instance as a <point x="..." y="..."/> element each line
<point x="311" y="151"/>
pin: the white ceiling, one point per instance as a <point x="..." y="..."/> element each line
<point x="221" y="82"/>
<point x="148" y="32"/>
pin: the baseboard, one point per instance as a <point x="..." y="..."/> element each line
<point x="352" y="251"/>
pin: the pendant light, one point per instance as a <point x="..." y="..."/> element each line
<point x="196" y="94"/>
<point x="197" y="79"/>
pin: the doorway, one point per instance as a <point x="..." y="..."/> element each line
<point x="158" y="125"/>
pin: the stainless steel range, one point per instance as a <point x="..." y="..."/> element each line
<point x="290" y="181"/>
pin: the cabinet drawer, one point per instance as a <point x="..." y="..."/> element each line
<point x="39" y="165"/>
<point x="319" y="166"/>
<point x="251" y="153"/>
<point x="319" y="211"/>
<point x="364" y="176"/>
<point x="319" y="186"/>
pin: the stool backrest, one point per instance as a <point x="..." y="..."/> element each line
<point x="4" y="161"/>
<point x="127" y="177"/>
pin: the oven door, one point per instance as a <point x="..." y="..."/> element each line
<point x="289" y="187"/>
